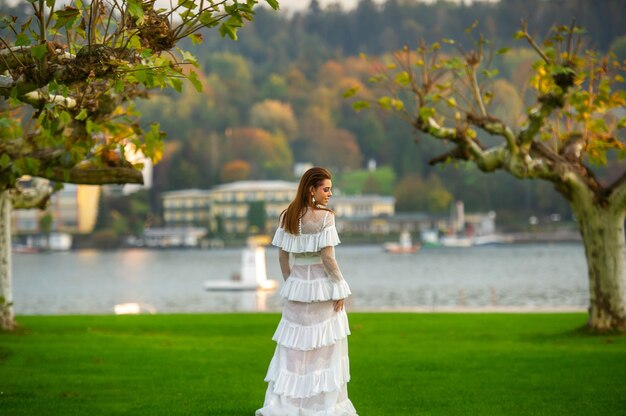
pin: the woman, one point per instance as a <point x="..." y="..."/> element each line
<point x="309" y="372"/>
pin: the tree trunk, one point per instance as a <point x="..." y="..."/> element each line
<point x="602" y="229"/>
<point x="7" y="319"/>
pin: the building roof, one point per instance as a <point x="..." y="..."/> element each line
<point x="362" y="199"/>
<point x="257" y="186"/>
<point x="186" y="193"/>
<point x="171" y="232"/>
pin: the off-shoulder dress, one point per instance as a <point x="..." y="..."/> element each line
<point x="310" y="369"/>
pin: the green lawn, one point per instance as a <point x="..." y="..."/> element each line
<point x="401" y="364"/>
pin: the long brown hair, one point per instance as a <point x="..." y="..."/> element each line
<point x="291" y="216"/>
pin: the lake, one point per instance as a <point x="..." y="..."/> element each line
<point x="533" y="276"/>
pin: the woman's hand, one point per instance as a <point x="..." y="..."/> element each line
<point x="338" y="305"/>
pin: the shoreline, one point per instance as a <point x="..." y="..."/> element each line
<point x="405" y="310"/>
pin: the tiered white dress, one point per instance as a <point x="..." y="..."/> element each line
<point x="309" y="372"/>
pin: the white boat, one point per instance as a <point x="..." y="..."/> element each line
<point x="481" y="240"/>
<point x="253" y="274"/>
<point x="403" y="246"/>
<point x="456" y="241"/>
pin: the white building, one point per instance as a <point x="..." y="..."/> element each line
<point x="229" y="202"/>
<point x="73" y="210"/>
<point x="363" y="213"/>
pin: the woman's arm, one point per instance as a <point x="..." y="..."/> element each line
<point x="330" y="264"/>
<point x="283" y="260"/>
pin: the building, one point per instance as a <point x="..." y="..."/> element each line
<point x="73" y="210"/>
<point x="187" y="208"/>
<point x="368" y="214"/>
<point x="231" y="202"/>
<point x="228" y="203"/>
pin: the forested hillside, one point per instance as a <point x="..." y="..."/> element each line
<point x="274" y="97"/>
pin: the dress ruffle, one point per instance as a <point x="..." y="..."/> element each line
<point x="306" y="243"/>
<point x="295" y="385"/>
<point x="306" y="338"/>
<point x="345" y="408"/>
<point x="315" y="290"/>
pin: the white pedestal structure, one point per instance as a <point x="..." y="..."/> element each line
<point x="253" y="273"/>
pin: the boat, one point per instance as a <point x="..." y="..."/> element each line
<point x="456" y="241"/>
<point x="23" y="249"/>
<point x="252" y="275"/>
<point x="403" y="246"/>
<point x="492" y="239"/>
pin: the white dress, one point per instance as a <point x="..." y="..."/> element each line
<point x="309" y="372"/>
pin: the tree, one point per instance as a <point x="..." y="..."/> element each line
<point x="257" y="217"/>
<point x="413" y="194"/>
<point x="237" y="170"/>
<point x="68" y="77"/>
<point x="274" y="116"/>
<point x="267" y="154"/>
<point x="572" y="126"/>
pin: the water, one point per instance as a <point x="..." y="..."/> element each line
<point x="535" y="276"/>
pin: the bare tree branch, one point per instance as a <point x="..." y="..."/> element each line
<point x="496" y="127"/>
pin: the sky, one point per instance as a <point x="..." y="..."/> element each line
<point x="290" y="6"/>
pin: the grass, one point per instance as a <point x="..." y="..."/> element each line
<point x="401" y="364"/>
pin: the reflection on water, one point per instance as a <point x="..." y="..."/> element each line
<point x="172" y="280"/>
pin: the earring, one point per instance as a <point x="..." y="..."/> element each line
<point x="313" y="199"/>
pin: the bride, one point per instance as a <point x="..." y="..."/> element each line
<point x="309" y="372"/>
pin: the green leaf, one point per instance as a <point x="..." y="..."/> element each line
<point x="66" y="17"/>
<point x="451" y="102"/>
<point x="5" y="160"/>
<point x="207" y="19"/>
<point x="65" y="117"/>
<point x="91" y="126"/>
<point x="193" y="78"/>
<point x="426" y="112"/>
<point x="196" y="38"/>
<point x="187" y="4"/>
<point x="490" y="73"/>
<point x="376" y="78"/>
<point x="189" y="57"/>
<point x="519" y="34"/>
<point x="350" y="92"/>
<point x="273" y="4"/>
<point x="622" y="123"/>
<point x="385" y="102"/>
<point x="22" y="40"/>
<point x="398" y="105"/>
<point x="82" y="115"/>
<point x="39" y="51"/>
<point x="119" y="86"/>
<point x="503" y="51"/>
<point x="360" y="105"/>
<point x="227" y="29"/>
<point x="177" y="84"/>
<point x="134" y="8"/>
<point x="403" y="78"/>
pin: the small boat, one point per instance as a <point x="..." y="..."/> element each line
<point x="253" y="275"/>
<point x="456" y="241"/>
<point x="404" y="246"/>
<point x="25" y="249"/>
